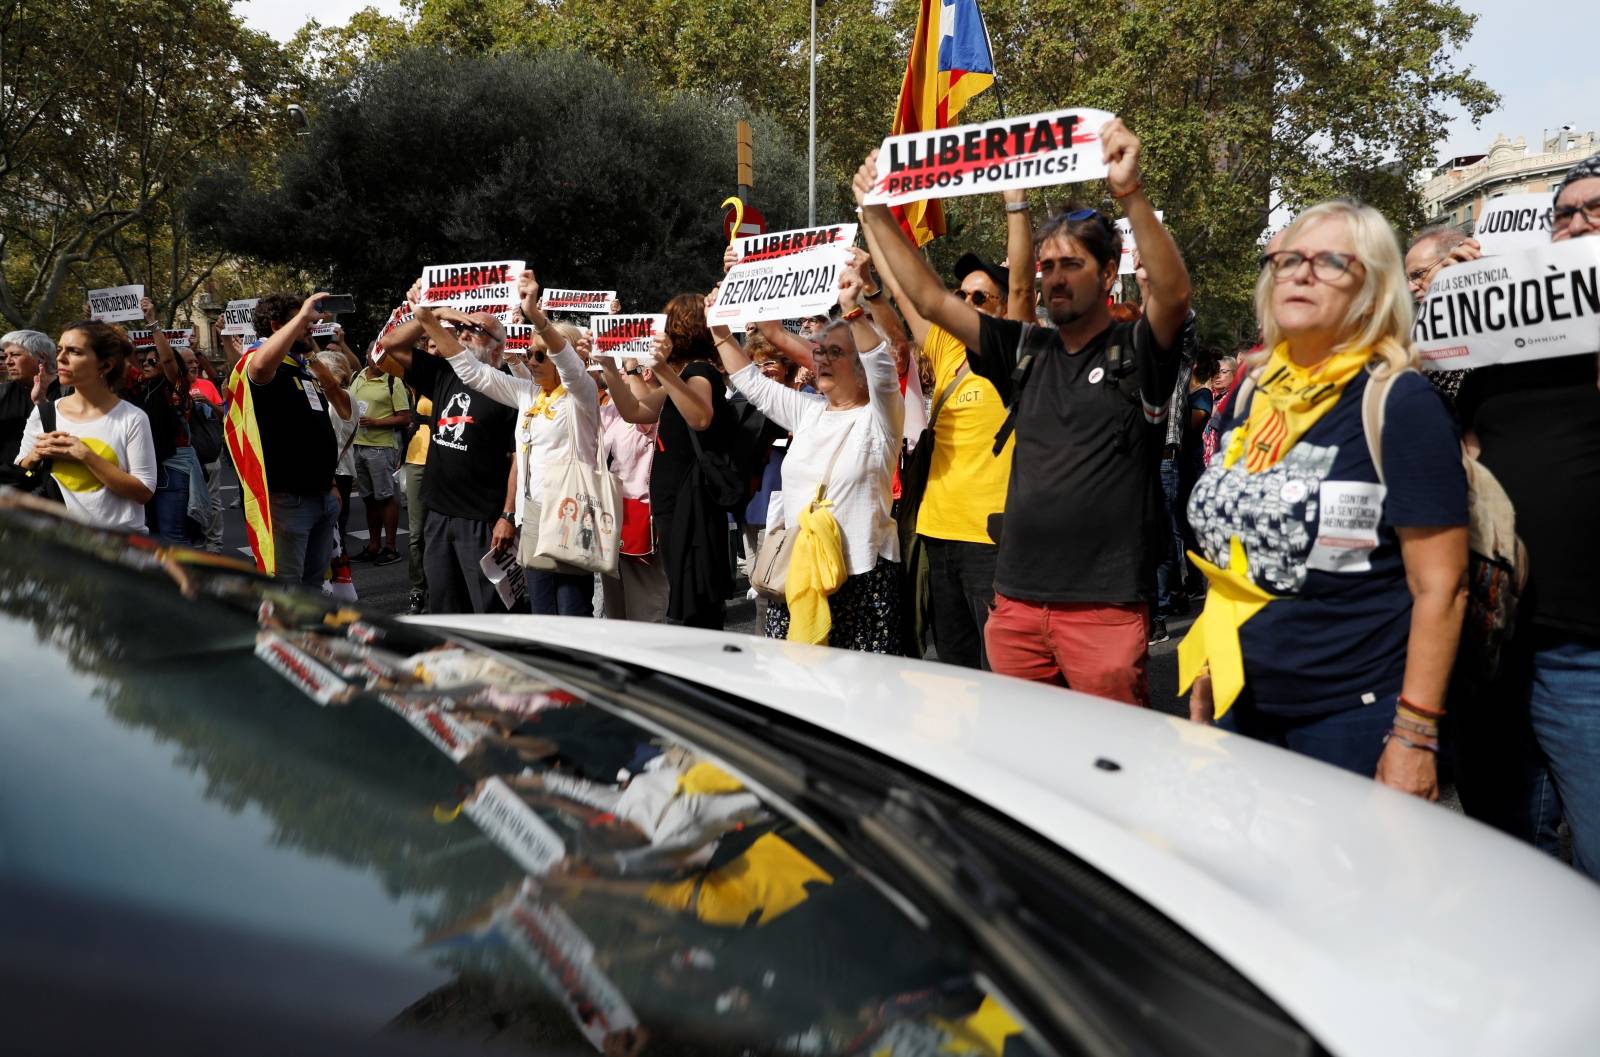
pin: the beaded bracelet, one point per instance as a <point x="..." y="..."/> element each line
<point x="1427" y="731"/>
<point x="1424" y="746"/>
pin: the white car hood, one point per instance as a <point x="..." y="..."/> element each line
<point x="1384" y="924"/>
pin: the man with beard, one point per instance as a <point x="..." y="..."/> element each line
<point x="468" y="487"/>
<point x="1082" y="515"/>
<point x="286" y="394"/>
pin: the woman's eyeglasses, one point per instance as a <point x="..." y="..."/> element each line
<point x="1327" y="265"/>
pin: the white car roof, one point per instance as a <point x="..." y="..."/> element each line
<point x="1383" y="924"/>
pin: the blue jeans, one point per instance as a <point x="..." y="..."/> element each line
<point x="561" y="594"/>
<point x="1169" y="573"/>
<point x="1529" y="749"/>
<point x="1352" y="739"/>
<point x="302" y="535"/>
<point x="167" y="512"/>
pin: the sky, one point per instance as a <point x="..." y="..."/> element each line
<point x="1540" y="86"/>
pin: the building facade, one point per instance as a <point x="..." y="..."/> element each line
<point x="1460" y="188"/>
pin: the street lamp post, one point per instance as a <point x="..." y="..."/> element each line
<point x="811" y="154"/>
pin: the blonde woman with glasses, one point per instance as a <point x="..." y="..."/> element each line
<point x="1337" y="584"/>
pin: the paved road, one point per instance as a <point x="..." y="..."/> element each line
<point x="385" y="589"/>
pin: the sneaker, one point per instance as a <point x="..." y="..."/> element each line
<point x="1158" y="631"/>
<point x="387" y="556"/>
<point x="368" y="554"/>
<point x="416" y="603"/>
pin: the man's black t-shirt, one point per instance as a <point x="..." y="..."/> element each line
<point x="469" y="454"/>
<point x="296" y="435"/>
<point x="1081" y="519"/>
<point x="1538" y="426"/>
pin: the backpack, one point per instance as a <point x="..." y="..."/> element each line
<point x="1497" y="561"/>
<point x="205" y="432"/>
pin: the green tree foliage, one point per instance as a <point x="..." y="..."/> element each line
<point x="106" y="111"/>
<point x="1246" y="108"/>
<point x="434" y="157"/>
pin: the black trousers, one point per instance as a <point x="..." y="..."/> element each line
<point x="961" y="589"/>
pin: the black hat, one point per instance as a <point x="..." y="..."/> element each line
<point x="971" y="262"/>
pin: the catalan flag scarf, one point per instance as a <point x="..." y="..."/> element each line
<point x="1287" y="400"/>
<point x="250" y="464"/>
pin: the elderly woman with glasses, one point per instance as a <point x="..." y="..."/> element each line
<point x="1332" y="523"/>
<point x="30" y="378"/>
<point x="1531" y="758"/>
<point x="847" y="444"/>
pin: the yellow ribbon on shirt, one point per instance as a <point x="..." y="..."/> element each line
<point x="1288" y="400"/>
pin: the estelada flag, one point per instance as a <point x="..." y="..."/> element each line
<point x="250" y="463"/>
<point x="950" y="63"/>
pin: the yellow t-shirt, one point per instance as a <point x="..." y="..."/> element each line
<point x="966" y="481"/>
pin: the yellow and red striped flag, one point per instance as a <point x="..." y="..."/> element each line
<point x="249" y="463"/>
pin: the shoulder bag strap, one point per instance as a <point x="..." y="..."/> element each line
<point x="827" y="474"/>
<point x="1374" y="408"/>
<point x="944" y="394"/>
<point x="1019" y="379"/>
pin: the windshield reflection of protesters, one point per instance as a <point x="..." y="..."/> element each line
<point x="557" y="418"/>
<point x="1530" y="753"/>
<point x="286" y="397"/>
<point x="1336" y="600"/>
<point x="1082" y="516"/>
<point x="691" y="408"/>
<point x="100" y="450"/>
<point x="843" y="581"/>
<point x="30" y="379"/>
<point x="469" y="489"/>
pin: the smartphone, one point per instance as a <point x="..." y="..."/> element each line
<point x="337" y="303"/>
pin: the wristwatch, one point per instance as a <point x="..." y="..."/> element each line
<point x="509" y="516"/>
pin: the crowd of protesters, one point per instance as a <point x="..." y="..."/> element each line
<point x="1016" y="472"/>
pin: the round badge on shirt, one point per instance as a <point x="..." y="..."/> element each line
<point x="1293" y="491"/>
<point x="1096" y="374"/>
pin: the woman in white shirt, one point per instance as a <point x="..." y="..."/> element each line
<point x="853" y="423"/>
<point x="560" y="406"/>
<point x="101" y="452"/>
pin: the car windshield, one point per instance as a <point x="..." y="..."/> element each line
<point x="548" y="869"/>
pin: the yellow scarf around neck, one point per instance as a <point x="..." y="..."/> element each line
<point x="1286" y="402"/>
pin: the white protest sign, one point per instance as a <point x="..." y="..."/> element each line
<point x="398" y="317"/>
<point x="1129" y="247"/>
<point x="1515" y="222"/>
<point x="324" y="330"/>
<point x="1535" y="305"/>
<point x="627" y="337"/>
<point x="117" y="304"/>
<point x="1057" y="147"/>
<point x="783" y="275"/>
<point x="487" y="286"/>
<point x="583" y="302"/>
<point x="239" y="317"/>
<point x="519" y="338"/>
<point x="563" y="958"/>
<point x="146" y="339"/>
<point x="519" y="831"/>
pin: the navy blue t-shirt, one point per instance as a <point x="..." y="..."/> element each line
<point x="1319" y="531"/>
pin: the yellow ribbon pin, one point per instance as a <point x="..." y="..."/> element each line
<point x="738" y="216"/>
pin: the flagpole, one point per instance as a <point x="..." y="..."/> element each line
<point x="811" y="154"/>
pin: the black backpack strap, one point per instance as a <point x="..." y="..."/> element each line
<point x="47" y="416"/>
<point x="1019" y="379"/>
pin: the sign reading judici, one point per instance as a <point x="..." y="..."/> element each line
<point x="1512" y="223"/>
<point x="117" y="304"/>
<point x="486" y="286"/>
<point x="627" y="337"/>
<point x="1057" y="147"/>
<point x="582" y="302"/>
<point x="1535" y="305"/>
<point x="783" y="275"/>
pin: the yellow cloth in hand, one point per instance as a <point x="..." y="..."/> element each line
<point x="816" y="570"/>
<point x="1214" y="638"/>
